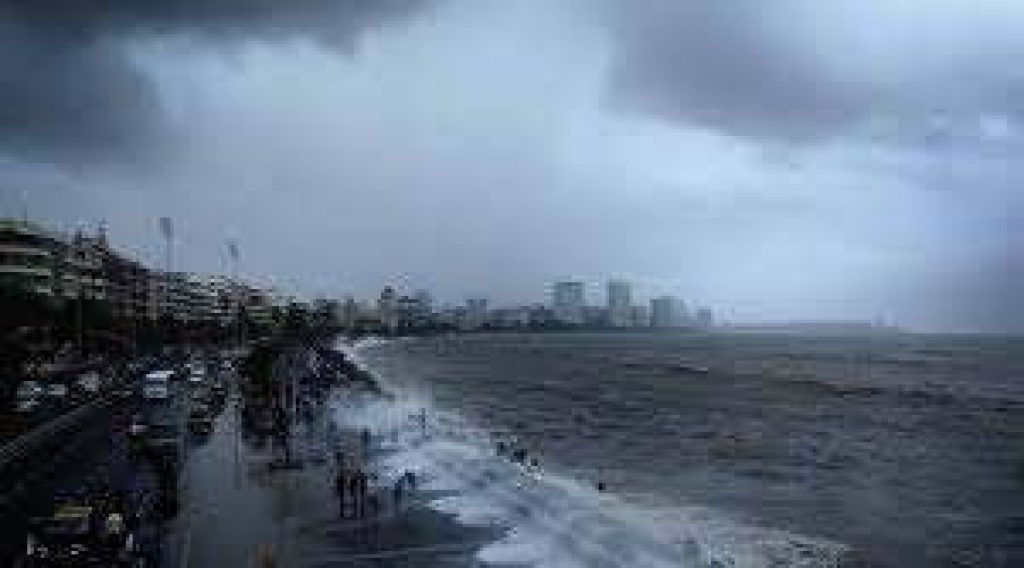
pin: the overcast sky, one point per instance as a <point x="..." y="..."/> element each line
<point x="774" y="160"/>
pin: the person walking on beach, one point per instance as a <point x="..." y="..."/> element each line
<point x="396" y="493"/>
<point x="365" y="436"/>
<point x="373" y="504"/>
<point x="363" y="489"/>
<point x="340" y="487"/>
<point x="410" y="478"/>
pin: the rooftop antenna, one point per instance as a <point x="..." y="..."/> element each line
<point x="167" y="231"/>
<point x="24" y="205"/>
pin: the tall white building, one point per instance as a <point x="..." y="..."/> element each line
<point x="568" y="302"/>
<point x="620" y="304"/>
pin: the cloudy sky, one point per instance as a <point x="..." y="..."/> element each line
<point x="774" y="160"/>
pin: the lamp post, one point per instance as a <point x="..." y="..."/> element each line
<point x="233" y="254"/>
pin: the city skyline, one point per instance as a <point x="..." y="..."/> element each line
<point x="569" y="299"/>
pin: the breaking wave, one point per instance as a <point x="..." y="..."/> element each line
<point x="551" y="520"/>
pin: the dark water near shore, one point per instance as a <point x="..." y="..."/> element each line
<point x="747" y="449"/>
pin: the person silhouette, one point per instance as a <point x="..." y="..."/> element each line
<point x="397" y="493"/>
<point x="353" y="489"/>
<point x="340" y="487"/>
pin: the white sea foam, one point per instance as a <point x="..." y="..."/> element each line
<point x="553" y="520"/>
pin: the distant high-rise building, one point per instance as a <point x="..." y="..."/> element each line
<point x="476" y="313"/>
<point x="568" y="302"/>
<point x="387" y="308"/>
<point x="620" y="304"/>
<point x="641" y="316"/>
<point x="665" y="312"/>
<point x="705" y="317"/>
<point x="424" y="302"/>
<point x="349" y="313"/>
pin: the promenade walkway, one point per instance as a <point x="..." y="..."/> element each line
<point x="243" y="505"/>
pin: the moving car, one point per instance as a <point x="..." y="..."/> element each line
<point x="28" y="397"/>
<point x="58" y="391"/>
<point x="156" y="385"/>
<point x="81" y="534"/>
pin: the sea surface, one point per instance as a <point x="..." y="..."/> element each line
<point x="717" y="449"/>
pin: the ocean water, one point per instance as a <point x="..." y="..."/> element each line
<point x="723" y="449"/>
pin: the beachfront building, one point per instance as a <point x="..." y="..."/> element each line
<point x="215" y="299"/>
<point x="258" y="304"/>
<point x="125" y="281"/>
<point x="620" y="304"/>
<point x="568" y="302"/>
<point x="80" y="273"/>
<point x="85" y="268"/>
<point x="27" y="257"/>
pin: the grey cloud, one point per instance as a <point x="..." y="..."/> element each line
<point x="793" y="70"/>
<point x="69" y="92"/>
<point x="711" y="63"/>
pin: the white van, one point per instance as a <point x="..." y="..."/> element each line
<point x="156" y="385"/>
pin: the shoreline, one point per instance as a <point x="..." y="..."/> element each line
<point x="309" y="531"/>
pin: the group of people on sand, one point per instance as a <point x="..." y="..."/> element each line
<point x="356" y="486"/>
<point x="352" y="485"/>
<point x="520" y="456"/>
<point x="359" y="487"/>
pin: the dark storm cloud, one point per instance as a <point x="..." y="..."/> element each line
<point x="712" y="63"/>
<point x="69" y="91"/>
<point x="800" y="70"/>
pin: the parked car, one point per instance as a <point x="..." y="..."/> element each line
<point x="84" y="532"/>
<point x="137" y="427"/>
<point x="58" y="391"/>
<point x="89" y="382"/>
<point x="156" y="385"/>
<point x="28" y="398"/>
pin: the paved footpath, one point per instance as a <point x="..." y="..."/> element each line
<point x="241" y="504"/>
